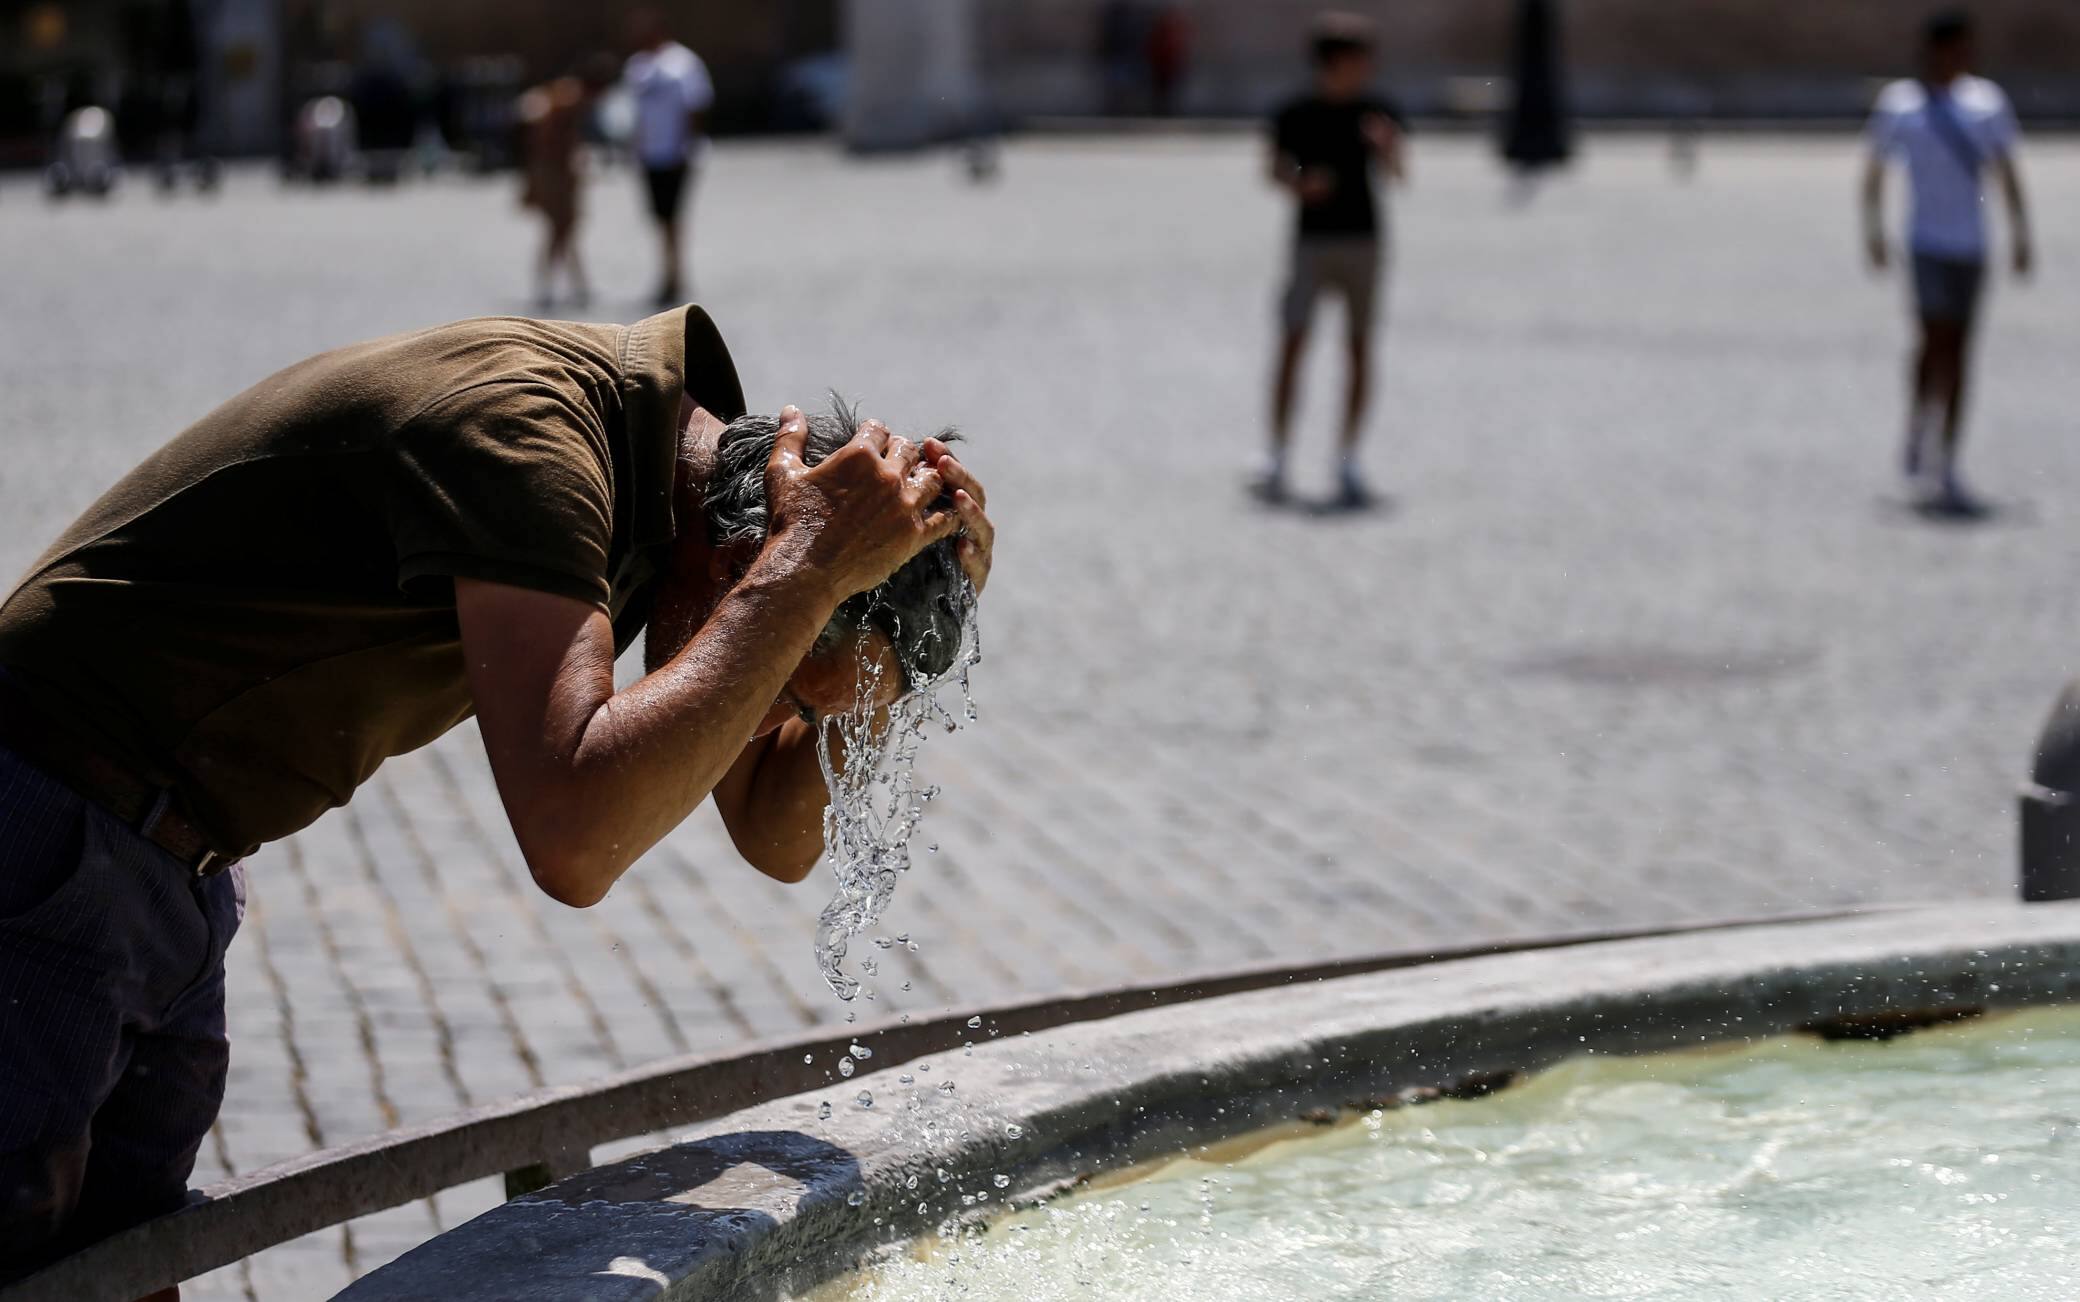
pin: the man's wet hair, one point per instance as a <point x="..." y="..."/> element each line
<point x="1335" y="36"/>
<point x="1945" y="27"/>
<point x="921" y="607"/>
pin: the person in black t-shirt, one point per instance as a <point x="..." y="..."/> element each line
<point x="1325" y="146"/>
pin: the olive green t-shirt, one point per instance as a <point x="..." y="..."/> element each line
<point x="263" y="612"/>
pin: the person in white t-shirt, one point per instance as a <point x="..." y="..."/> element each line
<point x="1949" y="128"/>
<point x="672" y="94"/>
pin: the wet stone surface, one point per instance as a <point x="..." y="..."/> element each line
<point x="1637" y="415"/>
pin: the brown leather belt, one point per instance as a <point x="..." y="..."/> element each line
<point x="59" y="751"/>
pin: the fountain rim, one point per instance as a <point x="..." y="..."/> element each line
<point x="771" y="1198"/>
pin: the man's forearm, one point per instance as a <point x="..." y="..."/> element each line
<point x="2018" y="207"/>
<point x="648" y="755"/>
<point x="774" y="809"/>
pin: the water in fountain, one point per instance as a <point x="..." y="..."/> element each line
<point x="869" y="759"/>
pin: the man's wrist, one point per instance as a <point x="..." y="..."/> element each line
<point x="782" y="576"/>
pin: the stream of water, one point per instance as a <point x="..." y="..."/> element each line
<point x="875" y="802"/>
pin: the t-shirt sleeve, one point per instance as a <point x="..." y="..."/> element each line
<point x="1883" y="131"/>
<point x="508" y="483"/>
<point x="699" y="90"/>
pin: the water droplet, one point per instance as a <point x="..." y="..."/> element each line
<point x="861" y="1052"/>
<point x="906" y="986"/>
<point x="1013" y="1129"/>
<point x="905" y="1079"/>
<point x="946" y="1087"/>
<point x="845" y="1067"/>
<point x="1000" y="1180"/>
<point x="855" y="1198"/>
<point x="809" y="1058"/>
<point x="911" y="1183"/>
<point x="921" y="1208"/>
<point x="975" y="1021"/>
<point x="902" y="938"/>
<point x="823" y="1111"/>
<point x="865" y="1099"/>
<point x="882" y="942"/>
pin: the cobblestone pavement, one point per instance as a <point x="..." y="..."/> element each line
<point x="1643" y="636"/>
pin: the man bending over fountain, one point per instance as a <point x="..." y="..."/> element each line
<point x="346" y="561"/>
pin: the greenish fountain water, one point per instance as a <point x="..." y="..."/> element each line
<point x="1945" y="1164"/>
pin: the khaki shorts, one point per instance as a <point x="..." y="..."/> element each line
<point x="1348" y="266"/>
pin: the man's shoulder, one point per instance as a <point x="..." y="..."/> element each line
<point x="480" y="364"/>
<point x="1293" y="106"/>
<point x="1979" y="95"/>
<point x="1905" y="95"/>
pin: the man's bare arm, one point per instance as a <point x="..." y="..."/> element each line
<point x="2018" y="213"/>
<point x="1386" y="141"/>
<point x="772" y="802"/>
<point x="1874" y="210"/>
<point x="592" y="778"/>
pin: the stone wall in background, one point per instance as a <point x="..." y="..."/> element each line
<point x="1742" y="58"/>
<point x="1766" y="58"/>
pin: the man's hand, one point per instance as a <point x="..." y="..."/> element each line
<point x="1385" y="140"/>
<point x="978" y="541"/>
<point x="859" y="515"/>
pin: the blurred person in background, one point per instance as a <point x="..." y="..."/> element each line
<point x="1119" y="41"/>
<point x="1949" y="128"/>
<point x="1168" y="52"/>
<point x="1325" y="146"/>
<point x="672" y="93"/>
<point x="553" y="119"/>
<point x="1535" y="134"/>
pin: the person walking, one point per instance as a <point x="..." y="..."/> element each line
<point x="1325" y="146"/>
<point x="672" y="96"/>
<point x="1948" y="128"/>
<point x="553" y="117"/>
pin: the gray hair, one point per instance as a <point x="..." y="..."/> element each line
<point x="922" y="605"/>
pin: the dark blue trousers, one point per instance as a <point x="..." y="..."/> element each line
<point x="112" y="1039"/>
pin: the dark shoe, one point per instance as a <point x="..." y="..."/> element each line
<point x="1351" y="493"/>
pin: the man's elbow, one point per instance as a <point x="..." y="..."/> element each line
<point x="791" y="869"/>
<point x="570" y="875"/>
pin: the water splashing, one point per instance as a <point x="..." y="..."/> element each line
<point x="875" y="803"/>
